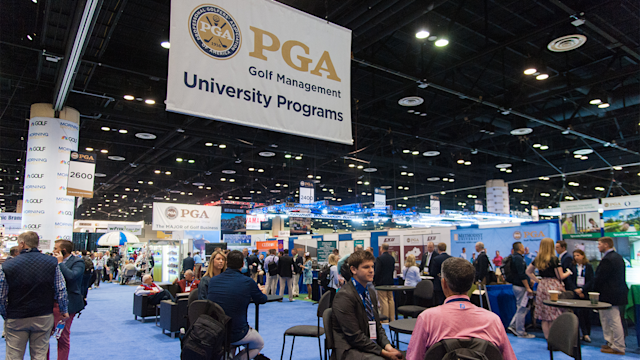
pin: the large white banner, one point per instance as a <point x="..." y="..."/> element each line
<point x="307" y="192"/>
<point x="46" y="208"/>
<point x="262" y="64"/>
<point x="379" y="198"/>
<point x="174" y="217"/>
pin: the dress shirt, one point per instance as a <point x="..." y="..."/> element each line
<point x="362" y="291"/>
<point x="411" y="275"/>
<point x="269" y="259"/>
<point x="60" y="293"/>
<point x="457" y="318"/>
<point x="197" y="259"/>
<point x="463" y="255"/>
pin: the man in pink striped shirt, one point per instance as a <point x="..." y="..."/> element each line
<point x="458" y="318"/>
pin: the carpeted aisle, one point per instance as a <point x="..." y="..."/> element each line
<point x="106" y="330"/>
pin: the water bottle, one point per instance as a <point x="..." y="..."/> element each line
<point x="59" y="329"/>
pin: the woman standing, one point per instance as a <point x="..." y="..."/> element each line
<point x="334" y="275"/>
<point x="497" y="261"/>
<point x="583" y="275"/>
<point x="217" y="265"/>
<point x="550" y="270"/>
<point x="308" y="274"/>
<point x="411" y="272"/>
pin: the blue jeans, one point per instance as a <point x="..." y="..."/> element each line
<point x="517" y="321"/>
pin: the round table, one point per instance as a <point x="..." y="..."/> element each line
<point x="402" y="326"/>
<point x="395" y="288"/>
<point x="577" y="305"/>
<point x="270" y="298"/>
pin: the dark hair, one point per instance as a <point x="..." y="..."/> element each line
<point x="563" y="244"/>
<point x="607" y="240"/>
<point x="272" y="251"/>
<point x="584" y="257"/>
<point x="235" y="260"/>
<point x="442" y="247"/>
<point x="188" y="254"/>
<point x="459" y="274"/>
<point x="14" y="251"/>
<point x="84" y="252"/>
<point x="285" y="251"/>
<point x="516" y="246"/>
<point x="65" y="245"/>
<point x="358" y="257"/>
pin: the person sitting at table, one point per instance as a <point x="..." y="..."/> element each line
<point x="188" y="283"/>
<point x="233" y="292"/>
<point x="458" y="318"/>
<point x="217" y="265"/>
<point x="610" y="281"/>
<point x="156" y="293"/>
<point x="357" y="331"/>
<point x="550" y="271"/>
<point x="582" y="275"/>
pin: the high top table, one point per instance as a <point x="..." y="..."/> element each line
<point x="577" y="305"/>
<point x="395" y="288"/>
<point x="270" y="298"/>
<point x="402" y="326"/>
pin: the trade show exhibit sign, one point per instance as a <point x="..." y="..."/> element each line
<point x="307" y="192"/>
<point x="82" y="168"/>
<point x="262" y="64"/>
<point x="621" y="216"/>
<point x="11" y="222"/>
<point x="46" y="208"/>
<point x="172" y="217"/>
<point x="502" y="239"/>
<point x="254" y="222"/>
<point x="325" y="248"/>
<point x="379" y="198"/>
<point x="134" y="228"/>
<point x="580" y="219"/>
<point x="434" y="205"/>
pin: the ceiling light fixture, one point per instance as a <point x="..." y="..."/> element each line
<point x="542" y="77"/>
<point x="104" y="151"/>
<point x="89" y="149"/>
<point x="415" y="153"/>
<point x="360" y="167"/>
<point x="298" y="157"/>
<point x="222" y="146"/>
<point x="604" y="105"/>
<point x="422" y="34"/>
<point x="123" y="131"/>
<point x="105" y="128"/>
<point x="287" y="156"/>
<point x="129" y="97"/>
<point x="406" y="151"/>
<point x="460" y="161"/>
<point x="149" y="101"/>
<point x="165" y="44"/>
<point x="595" y="101"/>
<point x="544" y="147"/>
<point x="208" y="144"/>
<point x="179" y="159"/>
<point x="442" y="42"/>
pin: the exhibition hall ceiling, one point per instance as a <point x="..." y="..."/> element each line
<point x="479" y="116"/>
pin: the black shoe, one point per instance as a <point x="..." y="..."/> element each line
<point x="261" y="357"/>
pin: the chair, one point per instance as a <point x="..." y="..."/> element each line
<point x="563" y="335"/>
<point x="142" y="308"/>
<point x="328" y="334"/>
<point x="173" y="315"/>
<point x="128" y="274"/>
<point x="437" y="351"/>
<point x="308" y="330"/>
<point x="422" y="297"/>
<point x="193" y="296"/>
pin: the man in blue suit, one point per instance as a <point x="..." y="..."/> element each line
<point x="566" y="260"/>
<point x="72" y="268"/>
<point x="436" y="267"/>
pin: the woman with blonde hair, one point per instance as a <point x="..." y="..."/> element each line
<point x="217" y="265"/>
<point x="550" y="270"/>
<point x="410" y="271"/>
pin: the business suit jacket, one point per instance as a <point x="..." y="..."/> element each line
<point x="384" y="266"/>
<point x="588" y="276"/>
<point x="423" y="261"/>
<point x="437" y="267"/>
<point x="567" y="263"/>
<point x="297" y="262"/>
<point x="284" y="266"/>
<point x="188" y="264"/>
<point x="482" y="266"/>
<point x="609" y="280"/>
<point x="73" y="270"/>
<point x="351" y="327"/>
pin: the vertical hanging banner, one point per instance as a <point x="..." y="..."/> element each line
<point x="307" y="194"/>
<point x="262" y="64"/>
<point x="379" y="198"/>
<point x="47" y="209"/>
<point x="82" y="167"/>
<point x="478" y="205"/>
<point x="434" y="205"/>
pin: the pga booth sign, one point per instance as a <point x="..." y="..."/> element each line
<point x="174" y="217"/>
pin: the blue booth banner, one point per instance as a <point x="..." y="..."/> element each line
<point x="502" y="239"/>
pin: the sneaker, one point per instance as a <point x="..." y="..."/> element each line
<point x="586" y="338"/>
<point x="526" y="336"/>
<point x="612" y="351"/>
<point x="513" y="330"/>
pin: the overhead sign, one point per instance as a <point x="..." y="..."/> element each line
<point x="262" y="64"/>
<point x="134" y="229"/>
<point x="621" y="216"/>
<point x="379" y="198"/>
<point x="168" y="216"/>
<point x="307" y="195"/>
<point x="434" y="205"/>
<point x="82" y="168"/>
<point x="580" y="219"/>
<point x="284" y="233"/>
<point x="253" y="222"/>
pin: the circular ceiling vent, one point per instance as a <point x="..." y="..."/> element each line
<point x="198" y="184"/>
<point x="410" y="101"/>
<point x="370" y="169"/>
<point x="228" y="172"/>
<point x="116" y="158"/>
<point x="145" y="136"/>
<point x="567" y="43"/>
<point x="386" y="187"/>
<point x="503" y="166"/>
<point x="434" y="178"/>
<point x="267" y="154"/>
<point x="522" y="131"/>
<point x="100" y="175"/>
<point x="431" y="153"/>
<point x="583" y="152"/>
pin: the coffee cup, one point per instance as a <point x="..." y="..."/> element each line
<point x="594" y="297"/>
<point x="553" y="295"/>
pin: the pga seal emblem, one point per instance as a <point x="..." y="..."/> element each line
<point x="171" y="213"/>
<point x="517" y="235"/>
<point x="215" y="32"/>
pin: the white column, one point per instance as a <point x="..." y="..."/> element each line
<point x="47" y="209"/>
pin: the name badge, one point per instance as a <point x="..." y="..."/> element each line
<point x="373" y="335"/>
<point x="580" y="281"/>
<point x="187" y="289"/>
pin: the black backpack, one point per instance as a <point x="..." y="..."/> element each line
<point x="205" y="340"/>
<point x="88" y="264"/>
<point x="507" y="269"/>
<point x="273" y="268"/>
<point x="473" y="349"/>
<point x="325" y="276"/>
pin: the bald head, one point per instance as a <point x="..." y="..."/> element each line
<point x="188" y="275"/>
<point x="147" y="279"/>
<point x="359" y="247"/>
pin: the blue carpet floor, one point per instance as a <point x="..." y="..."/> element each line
<point x="106" y="330"/>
